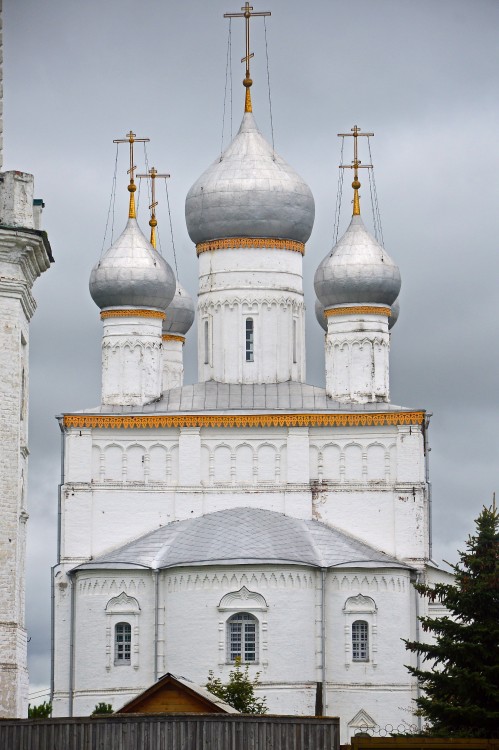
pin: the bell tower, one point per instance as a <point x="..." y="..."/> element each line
<point x="24" y="255"/>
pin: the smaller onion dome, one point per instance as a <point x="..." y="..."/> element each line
<point x="132" y="273"/>
<point x="250" y="191"/>
<point x="319" y="314"/>
<point x="357" y="271"/>
<point x="395" y="314"/>
<point x="180" y="313"/>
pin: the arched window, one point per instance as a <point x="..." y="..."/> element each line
<point x="250" y="349"/>
<point x="360" y="641"/>
<point x="242" y="632"/>
<point x="122" y="643"/>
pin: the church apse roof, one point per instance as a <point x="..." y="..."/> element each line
<point x="241" y="536"/>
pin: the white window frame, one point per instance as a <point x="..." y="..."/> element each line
<point x="361" y="608"/>
<point x="249" y="602"/>
<point x="121" y="644"/>
<point x="249" y="627"/>
<point x="122" y="609"/>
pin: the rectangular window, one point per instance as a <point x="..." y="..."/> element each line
<point x="250" y="350"/>
<point x="122" y="643"/>
<point x="206" y="343"/>
<point x="360" y="641"/>
<point x="294" y="340"/>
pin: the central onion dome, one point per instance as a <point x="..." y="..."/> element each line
<point x="132" y="273"/>
<point x="179" y="313"/>
<point x="249" y="191"/>
<point x="358" y="270"/>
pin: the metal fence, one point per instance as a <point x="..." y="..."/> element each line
<point x="171" y="732"/>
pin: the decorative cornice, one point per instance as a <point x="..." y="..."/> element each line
<point x="106" y="421"/>
<point x="233" y="243"/>
<point x="358" y="310"/>
<point x="132" y="314"/>
<point x="173" y="337"/>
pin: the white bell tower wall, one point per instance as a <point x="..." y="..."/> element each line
<point x="24" y="255"/>
<point x="251" y="316"/>
<point x="173" y="361"/>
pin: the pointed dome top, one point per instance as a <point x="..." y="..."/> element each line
<point x="180" y="312"/>
<point x="249" y="191"/>
<point x="357" y="270"/>
<point x="132" y="273"/>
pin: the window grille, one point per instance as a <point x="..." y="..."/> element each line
<point x="250" y="349"/>
<point x="242" y="637"/>
<point x="360" y="641"/>
<point x="122" y="643"/>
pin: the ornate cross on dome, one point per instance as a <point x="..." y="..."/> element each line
<point x="247" y="14"/>
<point x="152" y="174"/>
<point x="131" y="138"/>
<point x="355" y="165"/>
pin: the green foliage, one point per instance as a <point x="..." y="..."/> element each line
<point x="239" y="691"/>
<point x="42" y="711"/>
<point x="461" y="684"/>
<point x="102" y="708"/>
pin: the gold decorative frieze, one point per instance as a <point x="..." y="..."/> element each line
<point x="132" y="314"/>
<point x="358" y="310"/>
<point x="233" y="243"/>
<point x="105" y="421"/>
<point x="172" y="337"/>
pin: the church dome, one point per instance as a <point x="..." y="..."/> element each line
<point x="249" y="191"/>
<point x="319" y="314"/>
<point x="395" y="314"/>
<point x="357" y="271"/>
<point x="180" y="312"/>
<point x="132" y="273"/>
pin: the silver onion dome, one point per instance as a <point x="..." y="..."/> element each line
<point x="395" y="314"/>
<point x="357" y="270"/>
<point x="249" y="191"/>
<point x="179" y="313"/>
<point x="132" y="273"/>
<point x="319" y="314"/>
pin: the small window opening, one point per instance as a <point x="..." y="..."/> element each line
<point x="122" y="643"/>
<point x="294" y="341"/>
<point x="250" y="343"/>
<point x="206" y="343"/>
<point x="242" y="637"/>
<point x="360" y="641"/>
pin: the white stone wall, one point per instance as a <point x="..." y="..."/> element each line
<point x="173" y="362"/>
<point x="132" y="360"/>
<point x="358" y="358"/>
<point x="23" y="257"/>
<point x="266" y="286"/>
<point x="285" y="600"/>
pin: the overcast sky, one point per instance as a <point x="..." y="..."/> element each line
<point x="422" y="75"/>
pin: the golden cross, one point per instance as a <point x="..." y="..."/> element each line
<point x="131" y="138"/>
<point x="355" y="165"/>
<point x="247" y="14"/>
<point x="152" y="174"/>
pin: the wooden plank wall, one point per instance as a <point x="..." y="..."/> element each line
<point x="171" y="732"/>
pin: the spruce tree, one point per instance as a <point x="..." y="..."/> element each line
<point x="461" y="683"/>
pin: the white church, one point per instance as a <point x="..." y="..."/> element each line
<point x="250" y="515"/>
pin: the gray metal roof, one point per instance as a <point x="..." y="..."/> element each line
<point x="234" y="397"/>
<point x="242" y="536"/>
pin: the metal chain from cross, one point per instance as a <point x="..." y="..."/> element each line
<point x="131" y="138"/>
<point x="152" y="175"/>
<point x="355" y="165"/>
<point x="247" y="14"/>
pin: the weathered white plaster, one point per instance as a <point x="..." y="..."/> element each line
<point x="173" y="362"/>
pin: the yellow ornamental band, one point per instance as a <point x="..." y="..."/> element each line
<point x="132" y="314"/>
<point x="103" y="421"/>
<point x="234" y="243"/>
<point x="360" y="310"/>
<point x="172" y="337"/>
